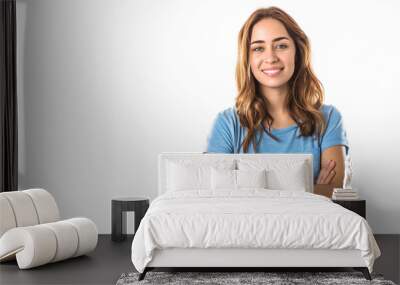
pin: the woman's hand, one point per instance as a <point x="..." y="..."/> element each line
<point x="327" y="173"/>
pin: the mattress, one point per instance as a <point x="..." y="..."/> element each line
<point x="250" y="219"/>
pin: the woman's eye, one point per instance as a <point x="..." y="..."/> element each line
<point x="281" y="46"/>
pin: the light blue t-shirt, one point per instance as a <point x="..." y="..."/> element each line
<point x="227" y="135"/>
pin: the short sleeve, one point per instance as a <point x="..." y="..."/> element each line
<point x="220" y="138"/>
<point x="335" y="133"/>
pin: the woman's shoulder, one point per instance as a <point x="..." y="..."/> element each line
<point x="228" y="115"/>
<point x="229" y="112"/>
<point x="330" y="111"/>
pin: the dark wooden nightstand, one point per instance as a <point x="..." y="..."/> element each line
<point x="119" y="207"/>
<point x="357" y="206"/>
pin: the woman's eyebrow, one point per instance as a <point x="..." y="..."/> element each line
<point x="274" y="40"/>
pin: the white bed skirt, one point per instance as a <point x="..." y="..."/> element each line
<point x="252" y="257"/>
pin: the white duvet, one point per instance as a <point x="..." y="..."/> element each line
<point x="250" y="218"/>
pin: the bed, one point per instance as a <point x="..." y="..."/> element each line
<point x="245" y="211"/>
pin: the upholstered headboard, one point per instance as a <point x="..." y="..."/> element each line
<point x="270" y="160"/>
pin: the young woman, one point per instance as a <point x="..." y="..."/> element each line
<point x="279" y="107"/>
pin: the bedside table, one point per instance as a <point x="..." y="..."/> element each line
<point x="357" y="206"/>
<point x="119" y="207"/>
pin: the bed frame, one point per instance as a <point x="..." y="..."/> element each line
<point x="247" y="259"/>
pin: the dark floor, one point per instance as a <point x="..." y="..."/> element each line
<point x="111" y="259"/>
<point x="102" y="266"/>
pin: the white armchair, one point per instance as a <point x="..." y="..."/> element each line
<point x="31" y="230"/>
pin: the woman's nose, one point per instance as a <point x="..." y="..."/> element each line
<point x="270" y="56"/>
<point x="270" y="59"/>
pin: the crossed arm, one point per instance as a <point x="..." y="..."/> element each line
<point x="331" y="174"/>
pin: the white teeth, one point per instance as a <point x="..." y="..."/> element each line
<point x="271" y="71"/>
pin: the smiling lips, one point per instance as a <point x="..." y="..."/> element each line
<point x="272" y="71"/>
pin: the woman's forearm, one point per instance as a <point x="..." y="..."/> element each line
<point x="324" y="189"/>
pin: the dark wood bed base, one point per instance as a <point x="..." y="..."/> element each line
<point x="364" y="270"/>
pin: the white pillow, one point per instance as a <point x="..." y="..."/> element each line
<point x="251" y="178"/>
<point x="189" y="174"/>
<point x="223" y="179"/>
<point x="282" y="174"/>
<point x="237" y="179"/>
<point x="294" y="178"/>
<point x="187" y="177"/>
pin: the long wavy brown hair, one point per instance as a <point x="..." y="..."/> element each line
<point x="305" y="93"/>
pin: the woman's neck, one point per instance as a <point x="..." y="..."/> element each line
<point x="276" y="99"/>
<point x="277" y="107"/>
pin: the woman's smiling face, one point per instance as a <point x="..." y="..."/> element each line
<point x="271" y="53"/>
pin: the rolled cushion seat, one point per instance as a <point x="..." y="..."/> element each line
<point x="35" y="245"/>
<point x="52" y="242"/>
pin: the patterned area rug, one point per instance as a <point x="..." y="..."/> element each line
<point x="229" y="278"/>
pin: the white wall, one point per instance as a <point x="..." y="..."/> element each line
<point x="105" y="86"/>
